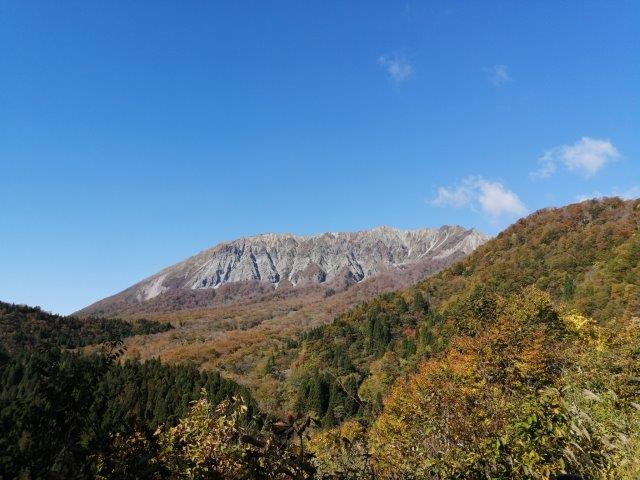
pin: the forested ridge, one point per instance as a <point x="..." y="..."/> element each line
<point x="63" y="413"/>
<point x="60" y="410"/>
<point x="586" y="256"/>
<point x="520" y="361"/>
<point x="559" y="289"/>
<point x="24" y="327"/>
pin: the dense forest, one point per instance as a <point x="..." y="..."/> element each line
<point x="559" y="289"/>
<point x="585" y="256"/>
<point x="63" y="413"/>
<point x="520" y="361"/>
<point x="23" y="327"/>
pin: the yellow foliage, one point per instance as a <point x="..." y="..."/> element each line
<point x="341" y="452"/>
<point x="584" y="328"/>
<point x="445" y="420"/>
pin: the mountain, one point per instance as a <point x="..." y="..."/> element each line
<point x="274" y="288"/>
<point x="585" y="257"/>
<point x="261" y="263"/>
<point x="519" y="361"/>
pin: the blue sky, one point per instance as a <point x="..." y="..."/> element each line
<point x="134" y="134"/>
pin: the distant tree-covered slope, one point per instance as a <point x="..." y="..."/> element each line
<point x="586" y="254"/>
<point x="23" y="327"/>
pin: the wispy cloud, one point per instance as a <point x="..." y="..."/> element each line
<point x="583" y="197"/>
<point x="586" y="157"/>
<point x="456" y="197"/>
<point x="630" y="193"/>
<point x="498" y="75"/>
<point x="398" y="68"/>
<point x="491" y="198"/>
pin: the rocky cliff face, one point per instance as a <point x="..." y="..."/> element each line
<point x="329" y="258"/>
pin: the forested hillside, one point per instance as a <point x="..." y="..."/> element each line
<point x="23" y="327"/>
<point x="521" y="361"/>
<point x="586" y="256"/>
<point x="59" y="410"/>
<point x="63" y="414"/>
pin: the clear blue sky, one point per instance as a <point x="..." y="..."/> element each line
<point x="134" y="134"/>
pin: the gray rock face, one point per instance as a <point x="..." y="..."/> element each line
<point x="301" y="260"/>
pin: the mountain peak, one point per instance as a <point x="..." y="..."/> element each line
<point x="324" y="258"/>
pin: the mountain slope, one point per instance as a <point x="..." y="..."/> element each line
<point x="238" y="326"/>
<point x="261" y="263"/>
<point x="585" y="256"/>
<point x="489" y="369"/>
<point x="24" y="328"/>
<point x="521" y="361"/>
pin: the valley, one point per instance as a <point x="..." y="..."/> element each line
<point x="319" y="240"/>
<point x="239" y="326"/>
<point x="518" y="358"/>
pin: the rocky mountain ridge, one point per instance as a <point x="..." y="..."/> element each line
<point x="285" y="259"/>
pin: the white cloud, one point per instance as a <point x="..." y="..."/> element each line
<point x="453" y="197"/>
<point x="586" y="157"/>
<point x="398" y="68"/>
<point x="496" y="200"/>
<point x="548" y="165"/>
<point x="498" y="75"/>
<point x="492" y="198"/>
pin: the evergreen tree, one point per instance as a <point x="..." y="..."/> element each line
<point x="419" y="303"/>
<point x="569" y="287"/>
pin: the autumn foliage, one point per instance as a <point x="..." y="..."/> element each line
<point x="521" y="361"/>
